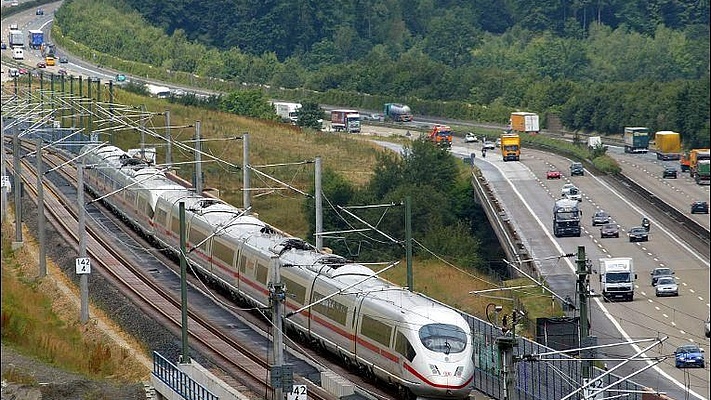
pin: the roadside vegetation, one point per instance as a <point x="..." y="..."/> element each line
<point x="36" y="321"/>
<point x="641" y="64"/>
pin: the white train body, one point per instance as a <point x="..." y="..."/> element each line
<point x="401" y="337"/>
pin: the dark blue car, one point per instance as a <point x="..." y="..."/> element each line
<point x="689" y="355"/>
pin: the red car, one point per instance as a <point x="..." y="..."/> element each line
<point x="22" y="71"/>
<point x="553" y="174"/>
<point x="41" y="64"/>
<point x="62" y="71"/>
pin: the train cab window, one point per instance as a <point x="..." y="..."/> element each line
<point x="403" y="346"/>
<point x="376" y="330"/>
<point x="175" y="227"/>
<point x="222" y="252"/>
<point x="443" y="338"/>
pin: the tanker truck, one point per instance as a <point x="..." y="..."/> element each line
<point x="397" y="112"/>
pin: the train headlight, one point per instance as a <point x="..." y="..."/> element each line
<point x="434" y="370"/>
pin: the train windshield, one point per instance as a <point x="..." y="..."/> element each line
<point x="443" y="338"/>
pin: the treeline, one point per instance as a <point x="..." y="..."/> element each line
<point x="599" y="67"/>
<point x="445" y="220"/>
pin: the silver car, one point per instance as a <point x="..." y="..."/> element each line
<point x="666" y="286"/>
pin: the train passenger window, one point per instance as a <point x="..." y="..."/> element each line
<point x="376" y="330"/>
<point x="330" y="308"/>
<point x="262" y="273"/>
<point x="197" y="238"/>
<point x="443" y="338"/>
<point x="175" y="226"/>
<point x="294" y="291"/>
<point x="161" y="216"/>
<point x="403" y="346"/>
<point x="222" y="252"/>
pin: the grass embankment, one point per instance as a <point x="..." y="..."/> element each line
<point x="40" y="322"/>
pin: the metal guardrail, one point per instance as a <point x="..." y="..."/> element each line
<point x="181" y="383"/>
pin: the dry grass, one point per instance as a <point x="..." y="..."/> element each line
<point x="40" y="321"/>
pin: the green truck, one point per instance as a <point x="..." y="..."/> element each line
<point x="702" y="174"/>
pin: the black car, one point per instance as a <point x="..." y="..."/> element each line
<point x="609" y="230"/>
<point x="63" y="60"/>
<point x="670" y="172"/>
<point x="600" y="218"/>
<point x="576" y="168"/>
<point x="3" y="46"/>
<point x="700" y="207"/>
<point x="660" y="272"/>
<point x="638" y="234"/>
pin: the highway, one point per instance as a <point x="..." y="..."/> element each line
<point x="528" y="197"/>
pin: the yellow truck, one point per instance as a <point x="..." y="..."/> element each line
<point x="510" y="147"/>
<point x="667" y="145"/>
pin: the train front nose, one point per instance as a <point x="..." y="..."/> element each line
<point x="442" y="383"/>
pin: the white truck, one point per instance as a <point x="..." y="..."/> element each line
<point x="287" y="111"/>
<point x="617" y="278"/>
<point x="594" y="142"/>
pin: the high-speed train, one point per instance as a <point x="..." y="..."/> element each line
<point x="401" y="337"/>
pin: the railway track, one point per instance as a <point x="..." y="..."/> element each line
<point x="239" y="358"/>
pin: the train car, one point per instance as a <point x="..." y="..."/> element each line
<point x="400" y="337"/>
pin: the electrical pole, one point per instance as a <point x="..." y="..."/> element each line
<point x="169" y="145"/>
<point x="18" y="189"/>
<point x="5" y="178"/>
<point x="198" y="160"/>
<point x="282" y="375"/>
<point x="185" y="357"/>
<point x="246" y="200"/>
<point x="408" y="242"/>
<point x="586" y="341"/>
<point x="84" y="279"/>
<point x="319" y="205"/>
<point x="40" y="213"/>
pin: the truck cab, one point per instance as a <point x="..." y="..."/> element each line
<point x="18" y="53"/>
<point x="617" y="278"/>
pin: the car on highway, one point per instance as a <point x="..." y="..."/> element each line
<point x="3" y="46"/>
<point x="689" y="355"/>
<point x="576" y="168"/>
<point x="39" y="11"/>
<point x="609" y="230"/>
<point x="570" y="191"/>
<point x="638" y="234"/>
<point x="23" y="71"/>
<point x="62" y="71"/>
<point x="489" y="145"/>
<point x="707" y="327"/>
<point x="659" y="273"/>
<point x="498" y="142"/>
<point x="670" y="172"/>
<point x="553" y="173"/>
<point x="63" y="60"/>
<point x="666" y="286"/>
<point x="700" y="207"/>
<point x="41" y="64"/>
<point x="600" y="218"/>
<point x="470" y="138"/>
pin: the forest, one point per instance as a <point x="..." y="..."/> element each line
<point x="598" y="66"/>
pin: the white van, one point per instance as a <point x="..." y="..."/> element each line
<point x="18" y="53"/>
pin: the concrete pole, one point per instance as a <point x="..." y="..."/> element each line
<point x="169" y="146"/>
<point x="185" y="356"/>
<point x="84" y="279"/>
<point x="40" y="213"/>
<point x="408" y="243"/>
<point x="246" y="198"/>
<point x="198" y="160"/>
<point x="18" y="189"/>
<point x="143" y="132"/>
<point x="277" y="311"/>
<point x="3" y="170"/>
<point x="319" y="205"/>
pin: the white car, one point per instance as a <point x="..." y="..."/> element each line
<point x="489" y="145"/>
<point x="470" y="138"/>
<point x="570" y="191"/>
<point x="666" y="286"/>
<point x="498" y="142"/>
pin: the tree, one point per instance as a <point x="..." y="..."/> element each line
<point x="250" y="103"/>
<point x="310" y="115"/>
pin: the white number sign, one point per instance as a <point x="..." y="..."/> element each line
<point x="5" y="183"/>
<point x="83" y="265"/>
<point x="298" y="393"/>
